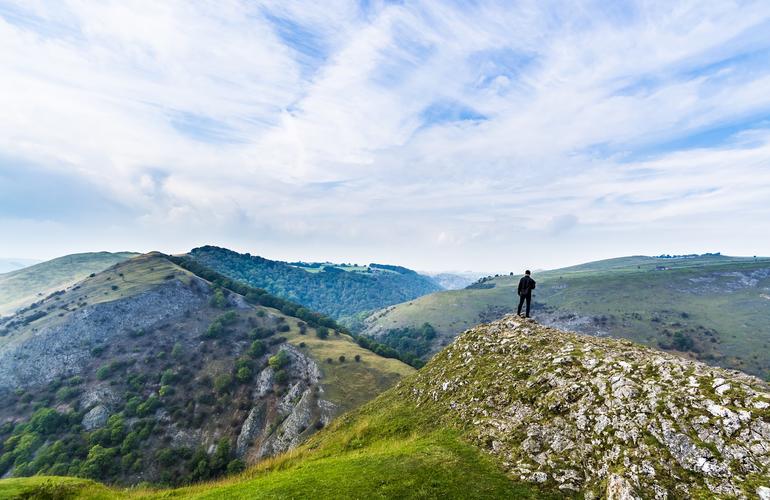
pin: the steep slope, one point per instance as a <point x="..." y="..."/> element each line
<point x="147" y="372"/>
<point x="24" y="286"/>
<point x="513" y="409"/>
<point x="331" y="290"/>
<point x="712" y="307"/>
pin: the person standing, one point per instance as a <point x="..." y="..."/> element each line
<point x="526" y="285"/>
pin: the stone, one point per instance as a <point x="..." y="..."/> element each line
<point x="95" y="418"/>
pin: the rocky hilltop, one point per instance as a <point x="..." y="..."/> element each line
<point x="604" y="417"/>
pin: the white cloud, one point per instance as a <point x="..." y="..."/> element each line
<point x="299" y="130"/>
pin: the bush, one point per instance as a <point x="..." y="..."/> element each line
<point x="235" y="466"/>
<point x="166" y="390"/>
<point x="177" y="351"/>
<point x="357" y="357"/>
<point x="281" y="377"/>
<point x="302" y="345"/>
<point x="284" y="328"/>
<point x="149" y="406"/>
<point x="243" y="374"/>
<point x="168" y="377"/>
<point x="218" y="299"/>
<point x="342" y="358"/>
<point x="257" y="349"/>
<point x="329" y="360"/>
<point x="322" y="332"/>
<point x="279" y="360"/>
<point x="222" y="383"/>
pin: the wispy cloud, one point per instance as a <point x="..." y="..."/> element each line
<point x="433" y="134"/>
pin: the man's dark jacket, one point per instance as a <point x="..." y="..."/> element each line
<point x="526" y="285"/>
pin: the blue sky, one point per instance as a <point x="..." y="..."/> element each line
<point x="439" y="135"/>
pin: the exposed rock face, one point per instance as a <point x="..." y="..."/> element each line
<point x="96" y="418"/>
<point x="61" y="349"/>
<point x="606" y="417"/>
<point x="275" y="425"/>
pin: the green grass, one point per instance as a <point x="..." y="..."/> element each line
<point x="350" y="383"/>
<point x="25" y="286"/>
<point x="386" y="449"/>
<point x="641" y="302"/>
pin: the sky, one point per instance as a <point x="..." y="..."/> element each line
<point x="437" y="135"/>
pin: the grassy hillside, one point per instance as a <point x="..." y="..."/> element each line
<point x="714" y="308"/>
<point x="25" y="286"/>
<point x="335" y="290"/>
<point x="146" y="372"/>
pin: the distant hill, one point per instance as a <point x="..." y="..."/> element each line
<point x="149" y="371"/>
<point x="337" y="290"/>
<point x="513" y="409"/>
<point x="24" y="286"/>
<point x="712" y="307"/>
<point x="8" y="265"/>
<point x="454" y="281"/>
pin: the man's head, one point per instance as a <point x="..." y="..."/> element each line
<point x="527" y="272"/>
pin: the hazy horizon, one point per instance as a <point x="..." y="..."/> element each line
<point x="437" y="136"/>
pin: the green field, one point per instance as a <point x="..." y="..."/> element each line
<point x="714" y="308"/>
<point x="30" y="284"/>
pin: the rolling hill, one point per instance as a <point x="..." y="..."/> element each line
<point x="24" y="286"/>
<point x="159" y="370"/>
<point x="517" y="410"/>
<point x="711" y="307"/>
<point x="335" y="290"/>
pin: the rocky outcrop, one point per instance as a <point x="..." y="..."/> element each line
<point x="604" y="417"/>
<point x="96" y="417"/>
<point x="278" y="424"/>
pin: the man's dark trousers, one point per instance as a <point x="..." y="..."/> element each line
<point x="528" y="298"/>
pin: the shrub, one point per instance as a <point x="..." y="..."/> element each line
<point x="218" y="299"/>
<point x="235" y="466"/>
<point x="176" y="351"/>
<point x="357" y="357"/>
<point x="223" y="382"/>
<point x="168" y="377"/>
<point x="243" y="374"/>
<point x="279" y="360"/>
<point x="166" y="390"/>
<point x="329" y="360"/>
<point x="104" y="372"/>
<point x="284" y="328"/>
<point x="257" y="349"/>
<point x="302" y="345"/>
<point x="322" y="332"/>
<point x="149" y="406"/>
<point x="342" y="358"/>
